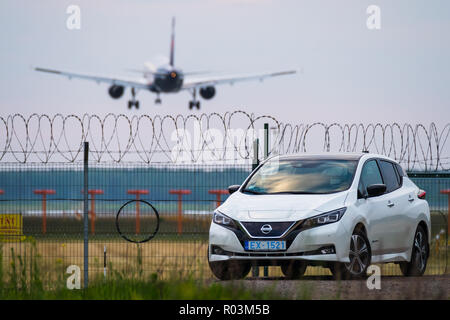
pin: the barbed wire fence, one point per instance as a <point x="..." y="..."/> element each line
<point x="180" y="164"/>
<point x="223" y="137"/>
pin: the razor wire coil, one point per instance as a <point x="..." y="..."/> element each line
<point x="229" y="136"/>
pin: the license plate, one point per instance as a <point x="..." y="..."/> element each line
<point x="267" y="245"/>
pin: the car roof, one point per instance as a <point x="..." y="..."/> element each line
<point x="336" y="156"/>
<point x="324" y="156"/>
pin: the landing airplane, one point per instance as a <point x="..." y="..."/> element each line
<point x="166" y="79"/>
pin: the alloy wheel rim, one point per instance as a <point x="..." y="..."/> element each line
<point x="359" y="255"/>
<point x="421" y="250"/>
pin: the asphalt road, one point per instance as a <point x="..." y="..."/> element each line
<point x="324" y="287"/>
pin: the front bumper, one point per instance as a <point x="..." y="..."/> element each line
<point x="303" y="245"/>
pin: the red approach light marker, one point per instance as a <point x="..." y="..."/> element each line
<point x="218" y="193"/>
<point x="180" y="193"/>
<point x="138" y="193"/>
<point x="44" y="193"/>
<point x="93" y="193"/>
<point x="447" y="192"/>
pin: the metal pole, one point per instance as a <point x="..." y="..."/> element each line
<point x="266" y="155"/>
<point x="255" y="163"/>
<point x="104" y="261"/>
<point x="266" y="140"/>
<point x="86" y="215"/>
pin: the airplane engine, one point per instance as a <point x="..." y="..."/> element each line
<point x="207" y="92"/>
<point x="116" y="91"/>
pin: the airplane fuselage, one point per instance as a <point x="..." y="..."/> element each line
<point x="167" y="80"/>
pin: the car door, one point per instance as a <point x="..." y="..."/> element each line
<point x="378" y="210"/>
<point x="397" y="202"/>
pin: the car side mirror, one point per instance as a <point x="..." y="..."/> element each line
<point x="233" y="188"/>
<point x="375" y="190"/>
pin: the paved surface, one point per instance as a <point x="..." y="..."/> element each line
<point x="426" y="287"/>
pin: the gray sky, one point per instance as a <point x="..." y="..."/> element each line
<point x="351" y="74"/>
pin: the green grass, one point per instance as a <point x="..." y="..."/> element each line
<point x="137" y="289"/>
<point x="24" y="280"/>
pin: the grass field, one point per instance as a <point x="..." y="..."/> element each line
<point x="165" y="268"/>
<point x="27" y="275"/>
<point x="167" y="258"/>
<point x="168" y="255"/>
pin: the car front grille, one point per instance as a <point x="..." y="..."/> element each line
<point x="277" y="229"/>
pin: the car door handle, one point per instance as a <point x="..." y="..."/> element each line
<point x="411" y="199"/>
<point x="390" y="204"/>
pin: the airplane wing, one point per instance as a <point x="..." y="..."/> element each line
<point x="135" y="83"/>
<point x="212" y="81"/>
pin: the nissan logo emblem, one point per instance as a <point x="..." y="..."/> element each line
<point x="266" y="228"/>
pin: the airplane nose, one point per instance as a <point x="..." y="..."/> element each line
<point x="173" y="75"/>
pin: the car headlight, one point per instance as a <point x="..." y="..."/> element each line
<point x="324" y="218"/>
<point x="223" y="220"/>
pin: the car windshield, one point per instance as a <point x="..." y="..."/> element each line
<point x="302" y="176"/>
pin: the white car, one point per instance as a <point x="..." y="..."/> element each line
<point x="341" y="211"/>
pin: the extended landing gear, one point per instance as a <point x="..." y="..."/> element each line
<point x="194" y="102"/>
<point x="133" y="102"/>
<point x="158" y="99"/>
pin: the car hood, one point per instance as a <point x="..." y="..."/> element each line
<point x="280" y="207"/>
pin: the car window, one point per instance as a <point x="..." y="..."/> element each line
<point x="302" y="176"/>
<point x="370" y="174"/>
<point x="397" y="174"/>
<point x="400" y="170"/>
<point x="390" y="176"/>
<point x="400" y="174"/>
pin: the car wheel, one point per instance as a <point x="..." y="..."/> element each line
<point x="229" y="269"/>
<point x="294" y="269"/>
<point x="419" y="255"/>
<point x="360" y="256"/>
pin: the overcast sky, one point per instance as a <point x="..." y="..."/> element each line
<point x="350" y="73"/>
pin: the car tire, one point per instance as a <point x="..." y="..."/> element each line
<point x="229" y="269"/>
<point x="419" y="255"/>
<point x="294" y="269"/>
<point x="360" y="258"/>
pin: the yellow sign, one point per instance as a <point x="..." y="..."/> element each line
<point x="11" y="227"/>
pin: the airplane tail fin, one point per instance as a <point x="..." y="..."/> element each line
<point x="172" y="43"/>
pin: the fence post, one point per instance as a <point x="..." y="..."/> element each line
<point x="266" y="155"/>
<point x="93" y="192"/>
<point x="86" y="214"/>
<point x="266" y="141"/>
<point x="255" y="163"/>
<point x="104" y="261"/>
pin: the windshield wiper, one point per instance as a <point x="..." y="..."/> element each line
<point x="252" y="192"/>
<point x="293" y="192"/>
